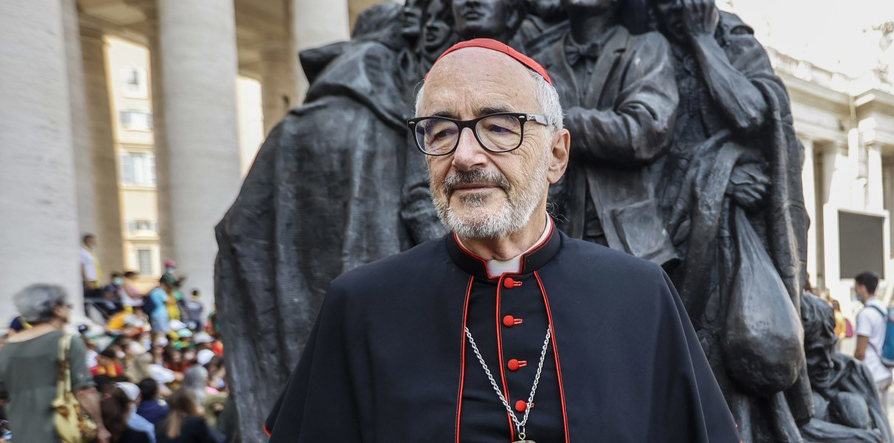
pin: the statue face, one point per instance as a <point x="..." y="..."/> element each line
<point x="485" y="18"/>
<point x="589" y="7"/>
<point x="412" y="16"/>
<point x="819" y="350"/>
<point x="670" y="14"/>
<point x="436" y="33"/>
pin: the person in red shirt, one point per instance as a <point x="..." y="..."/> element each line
<point x="107" y="363"/>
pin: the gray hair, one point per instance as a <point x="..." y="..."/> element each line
<point x="194" y="380"/>
<point x="547" y="99"/>
<point x="36" y="302"/>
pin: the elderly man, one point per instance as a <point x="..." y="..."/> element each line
<point x="505" y="329"/>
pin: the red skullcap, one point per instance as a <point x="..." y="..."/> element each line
<point x="494" y="45"/>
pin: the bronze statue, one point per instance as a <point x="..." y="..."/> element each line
<point x="844" y="393"/>
<point x="620" y="99"/>
<point x="683" y="153"/>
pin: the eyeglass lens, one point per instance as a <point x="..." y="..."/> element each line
<point x="496" y="132"/>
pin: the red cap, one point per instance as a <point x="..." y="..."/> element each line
<point x="493" y="45"/>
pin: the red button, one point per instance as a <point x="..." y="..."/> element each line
<point x="510" y="283"/>
<point x="515" y="364"/>
<point x="510" y="321"/>
<point x="521" y="405"/>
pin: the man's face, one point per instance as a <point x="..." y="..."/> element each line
<point x="482" y="18"/>
<point x="480" y="194"/>
<point x="589" y="7"/>
<point x="670" y="14"/>
<point x="862" y="292"/>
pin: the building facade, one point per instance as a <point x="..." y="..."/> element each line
<point x="137" y="119"/>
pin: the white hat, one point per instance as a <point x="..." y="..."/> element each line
<point x="177" y="324"/>
<point x="203" y="337"/>
<point x="204" y="356"/>
<point x="130" y="389"/>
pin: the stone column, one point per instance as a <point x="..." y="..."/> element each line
<point x="313" y="25"/>
<point x="198" y="69"/>
<point x="79" y="120"/>
<point x="107" y="197"/>
<point x="38" y="217"/>
<point x="808" y="183"/>
<point x="156" y="87"/>
<point x="278" y="87"/>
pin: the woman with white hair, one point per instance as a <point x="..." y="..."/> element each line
<point x="29" y="364"/>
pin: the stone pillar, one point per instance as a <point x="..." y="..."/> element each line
<point x="156" y="87"/>
<point x="79" y="120"/>
<point x="808" y="183"/>
<point x="313" y="25"/>
<point x="38" y="217"/>
<point x="107" y="197"/>
<point x="278" y="87"/>
<point x="198" y="69"/>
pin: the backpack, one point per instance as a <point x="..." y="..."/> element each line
<point x="149" y="304"/>
<point x="887" y="354"/>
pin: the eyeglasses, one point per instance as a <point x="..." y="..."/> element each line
<point x="497" y="133"/>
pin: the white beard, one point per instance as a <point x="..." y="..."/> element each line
<point x="512" y="215"/>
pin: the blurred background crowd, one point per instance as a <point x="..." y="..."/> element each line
<point x="155" y="358"/>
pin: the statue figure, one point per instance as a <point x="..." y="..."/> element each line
<point x="501" y="20"/>
<point x="844" y="393"/>
<point x="322" y="197"/>
<point x="683" y="153"/>
<point x="730" y="187"/>
<point x="620" y="99"/>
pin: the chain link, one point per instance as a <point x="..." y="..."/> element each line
<point x="519" y="425"/>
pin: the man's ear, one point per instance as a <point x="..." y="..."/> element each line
<point x="559" y="150"/>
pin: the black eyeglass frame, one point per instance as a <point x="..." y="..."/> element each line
<point x="462" y="124"/>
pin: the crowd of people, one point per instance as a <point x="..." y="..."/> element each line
<point x="154" y="372"/>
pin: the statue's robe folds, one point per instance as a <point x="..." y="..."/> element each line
<point x="388" y="359"/>
<point x="321" y="198"/>
<point x="706" y="227"/>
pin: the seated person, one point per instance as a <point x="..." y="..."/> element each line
<point x="846" y="404"/>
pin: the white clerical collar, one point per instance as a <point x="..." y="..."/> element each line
<point x="496" y="268"/>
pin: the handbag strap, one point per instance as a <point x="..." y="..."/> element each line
<point x="63" y="381"/>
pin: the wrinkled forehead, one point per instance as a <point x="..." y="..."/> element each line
<point x="472" y="79"/>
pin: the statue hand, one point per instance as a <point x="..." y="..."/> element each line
<point x="748" y="184"/>
<point x="700" y="17"/>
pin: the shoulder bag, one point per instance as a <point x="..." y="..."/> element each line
<point x="71" y="423"/>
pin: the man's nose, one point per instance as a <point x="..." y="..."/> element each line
<point x="469" y="152"/>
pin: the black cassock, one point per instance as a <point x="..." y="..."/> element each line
<point x="388" y="360"/>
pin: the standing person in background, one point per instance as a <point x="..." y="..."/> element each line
<point x="136" y="421"/>
<point x="185" y="423"/>
<point x="117" y="408"/>
<point x="156" y="304"/>
<point x="132" y="292"/>
<point x="871" y="323"/>
<point x="151" y="407"/>
<point x="194" y="310"/>
<point x="118" y="285"/>
<point x="17" y="325"/>
<point x="91" y="273"/>
<point x="29" y="366"/>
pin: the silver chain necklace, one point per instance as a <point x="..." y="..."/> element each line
<point x="519" y="425"/>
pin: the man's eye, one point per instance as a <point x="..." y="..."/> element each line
<point x="497" y="129"/>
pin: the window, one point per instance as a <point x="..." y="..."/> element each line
<point x="138" y="169"/>
<point x="144" y="261"/>
<point x="133" y="83"/>
<point x="142" y="225"/>
<point x="136" y="120"/>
